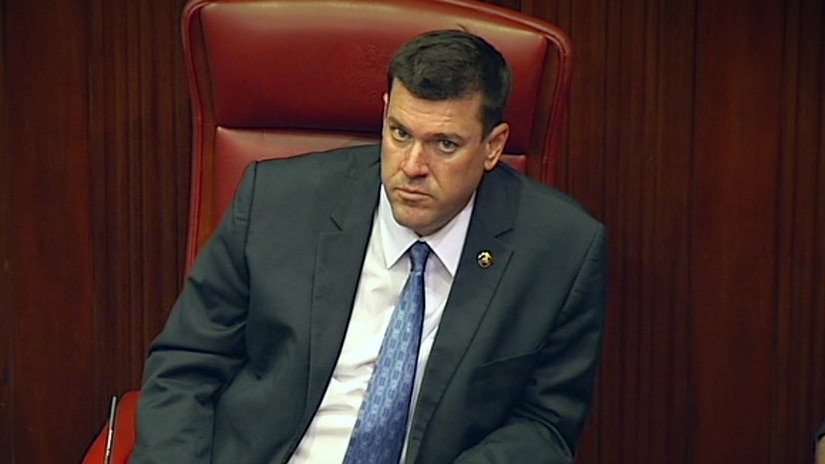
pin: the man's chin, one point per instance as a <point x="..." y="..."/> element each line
<point x="410" y="220"/>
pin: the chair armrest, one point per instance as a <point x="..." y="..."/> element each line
<point x="124" y="430"/>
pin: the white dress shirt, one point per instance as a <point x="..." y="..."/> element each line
<point x="385" y="270"/>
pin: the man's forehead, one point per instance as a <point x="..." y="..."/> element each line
<point x="404" y="108"/>
<point x="398" y="85"/>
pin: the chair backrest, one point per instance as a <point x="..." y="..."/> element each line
<point x="276" y="78"/>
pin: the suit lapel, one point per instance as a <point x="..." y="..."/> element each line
<point x="470" y="296"/>
<point x="339" y="258"/>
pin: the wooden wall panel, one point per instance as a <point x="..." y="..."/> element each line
<point x="46" y="77"/>
<point x="6" y="275"/>
<point x="96" y="149"/>
<point x="628" y="159"/>
<point x="638" y="160"/>
<point x="679" y="109"/>
<point x="139" y="136"/>
<point x="799" y="406"/>
<point x="737" y="143"/>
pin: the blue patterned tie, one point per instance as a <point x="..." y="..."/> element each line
<point x="379" y="432"/>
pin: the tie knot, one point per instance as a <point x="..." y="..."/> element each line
<point x="419" y="253"/>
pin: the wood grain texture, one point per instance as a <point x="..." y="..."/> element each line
<point x="140" y="156"/>
<point x="52" y="336"/>
<point x="737" y="140"/>
<point x="799" y="405"/>
<point x="695" y="133"/>
<point x="98" y="159"/>
<point x="6" y="267"/>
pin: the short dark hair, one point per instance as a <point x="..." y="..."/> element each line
<point x="449" y="64"/>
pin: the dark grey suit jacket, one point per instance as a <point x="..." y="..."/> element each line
<point x="243" y="362"/>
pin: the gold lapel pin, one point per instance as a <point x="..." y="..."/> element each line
<point x="484" y="259"/>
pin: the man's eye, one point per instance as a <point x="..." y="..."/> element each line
<point x="447" y="146"/>
<point x="399" y="134"/>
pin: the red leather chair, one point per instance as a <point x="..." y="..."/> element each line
<point x="277" y="78"/>
<point x="123" y="430"/>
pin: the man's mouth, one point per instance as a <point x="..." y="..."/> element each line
<point x="412" y="193"/>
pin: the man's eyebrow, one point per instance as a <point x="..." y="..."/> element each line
<point x="438" y="135"/>
<point x="449" y="136"/>
<point x="395" y="122"/>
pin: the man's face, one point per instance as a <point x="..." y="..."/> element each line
<point x="433" y="154"/>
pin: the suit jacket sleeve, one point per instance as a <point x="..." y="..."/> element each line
<point x="548" y="418"/>
<point x="200" y="348"/>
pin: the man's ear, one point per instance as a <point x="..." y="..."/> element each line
<point x="495" y="142"/>
<point x="386" y="99"/>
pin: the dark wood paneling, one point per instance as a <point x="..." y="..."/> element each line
<point x="140" y="152"/>
<point x="46" y="78"/>
<point x="799" y="407"/>
<point x="714" y="345"/>
<point x="738" y="135"/>
<point x="96" y="153"/>
<point x="139" y="148"/>
<point x="638" y="83"/>
<point x="6" y="265"/>
<point x="628" y="159"/>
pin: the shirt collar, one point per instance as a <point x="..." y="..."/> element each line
<point x="446" y="243"/>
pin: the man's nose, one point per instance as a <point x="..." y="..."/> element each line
<point x="415" y="161"/>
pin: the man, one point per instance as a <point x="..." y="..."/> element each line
<point x="277" y="349"/>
